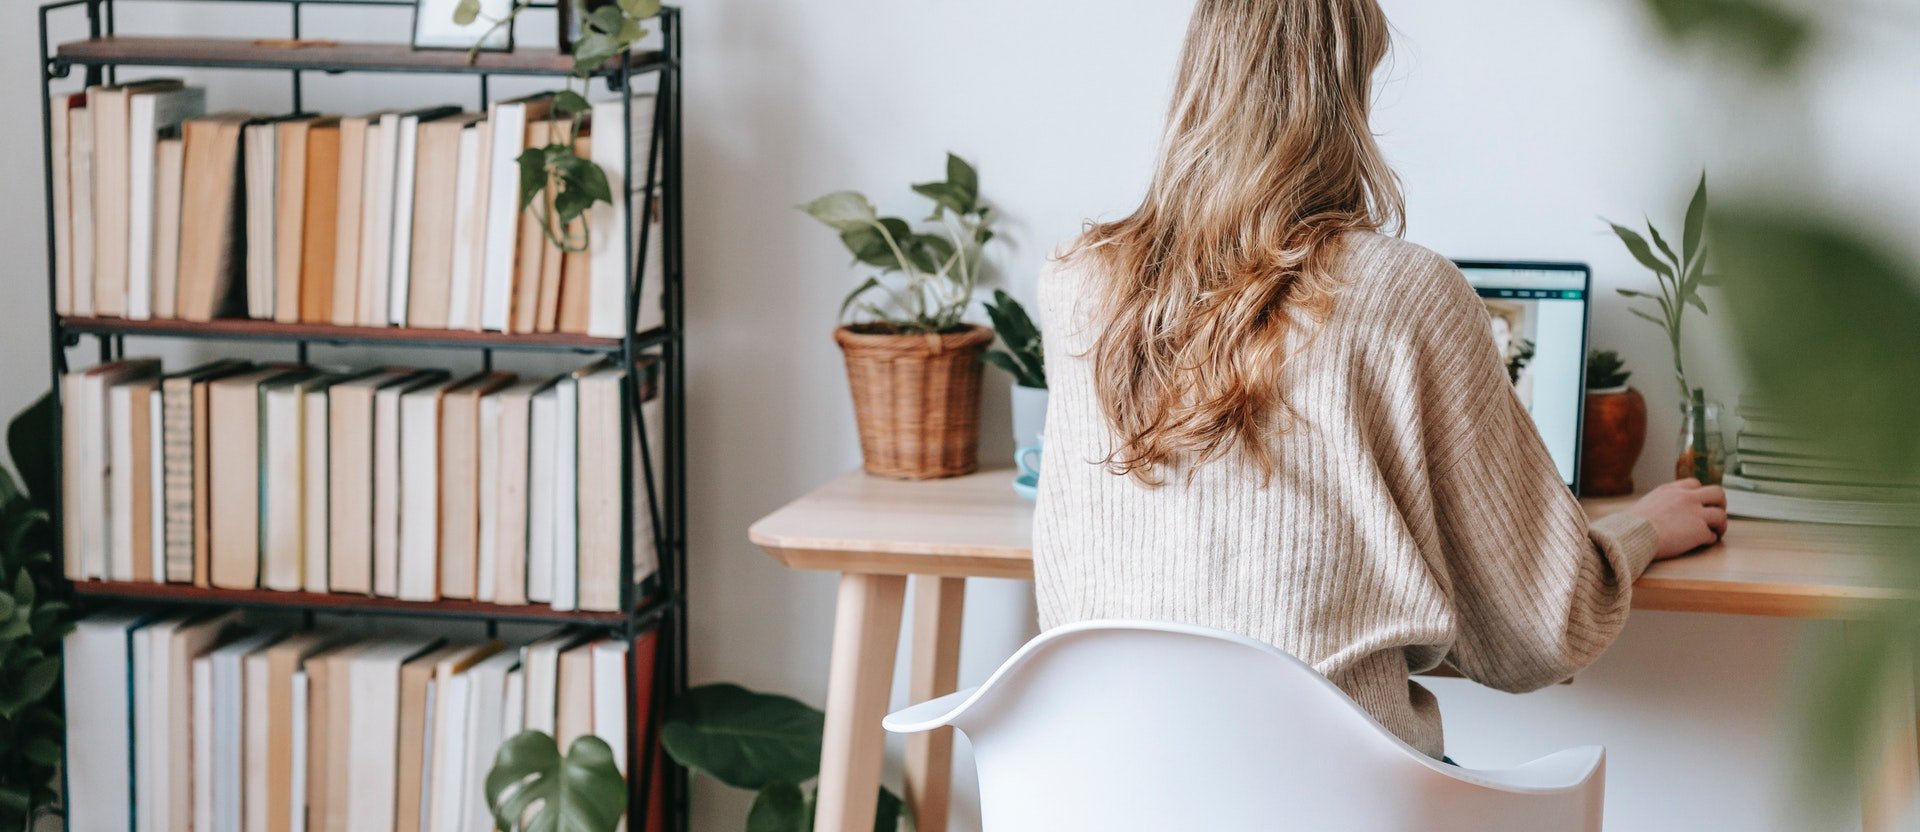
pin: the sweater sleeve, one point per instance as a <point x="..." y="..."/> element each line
<point x="1538" y="592"/>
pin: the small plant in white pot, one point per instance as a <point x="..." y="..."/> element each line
<point x="913" y="363"/>
<point x="1020" y="354"/>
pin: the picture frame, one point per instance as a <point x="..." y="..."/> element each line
<point x="433" y="26"/>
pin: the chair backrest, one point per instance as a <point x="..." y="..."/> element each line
<point x="1156" y="726"/>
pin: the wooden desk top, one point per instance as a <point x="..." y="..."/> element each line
<point x="976" y="527"/>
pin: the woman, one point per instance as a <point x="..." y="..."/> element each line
<point x="1269" y="418"/>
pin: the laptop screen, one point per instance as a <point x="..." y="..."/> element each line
<point x="1537" y="317"/>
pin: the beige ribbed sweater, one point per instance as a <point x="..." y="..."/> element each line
<point x="1416" y="515"/>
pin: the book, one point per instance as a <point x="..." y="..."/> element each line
<point x="411" y="762"/>
<point x="270" y="772"/>
<point x="573" y="702"/>
<point x="350" y="478"/>
<point x="514" y="720"/>
<point x="96" y="662"/>
<point x="540" y="667"/>
<point x="260" y="179"/>
<point x="610" y="697"/>
<point x="180" y="454"/>
<point x="150" y="704"/>
<point x="350" y="200"/>
<point x="130" y="536"/>
<point x="379" y="161"/>
<point x="1814" y="470"/>
<point x="297" y="789"/>
<point x="1827" y="491"/>
<point x="60" y="109"/>
<point x="374" y="731"/>
<point x="418" y="566"/>
<point x="89" y="482"/>
<point x="503" y="515"/>
<point x="1750" y="498"/>
<point x="460" y="483"/>
<point x="435" y="211"/>
<point x="212" y="242"/>
<point x="292" y="138"/>
<point x="599" y="493"/>
<point x="169" y="168"/>
<point x="153" y="112"/>
<point x="327" y="720"/>
<point x="388" y="483"/>
<point x="319" y="242"/>
<point x="487" y="700"/>
<point x="565" y="492"/>
<point x="173" y="701"/>
<point x="80" y="204"/>
<point x="446" y="795"/>
<point x="315" y="405"/>
<point x="156" y="486"/>
<point x="234" y="729"/>
<point x="543" y="463"/>
<point x="406" y="170"/>
<point x="233" y="497"/>
<point x="609" y="257"/>
<point x="552" y="257"/>
<point x="470" y="226"/>
<point x="509" y="122"/>
<point x="531" y="250"/>
<point x="283" y="480"/>
<point x="109" y="106"/>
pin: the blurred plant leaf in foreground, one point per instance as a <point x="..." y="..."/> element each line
<point x="1769" y="35"/>
<point x="1828" y="323"/>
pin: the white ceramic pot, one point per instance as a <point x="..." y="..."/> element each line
<point x="1029" y="415"/>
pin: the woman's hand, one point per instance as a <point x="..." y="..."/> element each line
<point x="1686" y="515"/>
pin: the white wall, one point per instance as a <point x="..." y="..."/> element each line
<point x="1515" y="125"/>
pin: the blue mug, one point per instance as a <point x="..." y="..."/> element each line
<point x="1032" y="452"/>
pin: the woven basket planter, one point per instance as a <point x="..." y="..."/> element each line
<point x="917" y="400"/>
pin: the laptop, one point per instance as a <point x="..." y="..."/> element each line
<point x="1537" y="317"/>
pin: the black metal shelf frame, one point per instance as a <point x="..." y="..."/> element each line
<point x="665" y="611"/>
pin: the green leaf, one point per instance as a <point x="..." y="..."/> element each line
<point x="886" y="813"/>
<point x="1696" y="225"/>
<point x="31" y="685"/>
<point x="1656" y="321"/>
<point x="946" y="196"/>
<point x="640" y="9"/>
<point x="607" y="19"/>
<point x="531" y="788"/>
<point x="593" y="49"/>
<point x="43" y="751"/>
<point x="630" y="31"/>
<point x="963" y="177"/>
<point x="744" y="739"/>
<point x="1634" y="293"/>
<point x="13" y="800"/>
<point x="1694" y="299"/>
<point x="7" y="605"/>
<point x="533" y="174"/>
<point x="568" y="102"/>
<point x="30" y="441"/>
<point x="1769" y="36"/>
<point x="1665" y="249"/>
<point x="843" y="210"/>
<point x="570" y="205"/>
<point x="780" y="807"/>
<point x="23" y="588"/>
<point x="592" y="181"/>
<point x="1710" y="280"/>
<point x="870" y="246"/>
<point x="466" y="12"/>
<point x="1637" y="245"/>
<point x="854" y="296"/>
<point x="1021" y="374"/>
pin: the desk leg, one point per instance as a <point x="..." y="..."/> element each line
<point x="937" y="607"/>
<point x="866" y="637"/>
<point x="1890" y="763"/>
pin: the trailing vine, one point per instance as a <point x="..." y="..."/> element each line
<point x="556" y="183"/>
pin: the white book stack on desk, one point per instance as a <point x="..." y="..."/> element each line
<point x="1784" y="473"/>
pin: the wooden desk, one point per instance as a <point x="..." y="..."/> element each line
<point x="877" y="532"/>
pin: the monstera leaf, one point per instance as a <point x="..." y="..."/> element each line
<point x="532" y="789"/>
<point x="744" y="739"/>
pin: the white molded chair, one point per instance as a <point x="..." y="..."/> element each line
<point x="1136" y="725"/>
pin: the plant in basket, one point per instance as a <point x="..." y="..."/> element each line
<point x="912" y="361"/>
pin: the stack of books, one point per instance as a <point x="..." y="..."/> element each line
<point x="394" y="218"/>
<point x="395" y="482"/>
<point x="199" y="721"/>
<point x="1782" y="473"/>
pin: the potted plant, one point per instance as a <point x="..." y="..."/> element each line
<point x="1680" y="276"/>
<point x="34" y="616"/>
<point x="1021" y="356"/>
<point x="912" y="362"/>
<point x="1615" y="430"/>
<point x="532" y="787"/>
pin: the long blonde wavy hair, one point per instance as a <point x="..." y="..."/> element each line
<point x="1267" y="159"/>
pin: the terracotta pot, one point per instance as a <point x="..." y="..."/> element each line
<point x="917" y="400"/>
<point x="1616" y="431"/>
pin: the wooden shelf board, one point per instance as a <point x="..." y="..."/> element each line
<point x="249" y="53"/>
<point x="248" y="329"/>
<point x="325" y="602"/>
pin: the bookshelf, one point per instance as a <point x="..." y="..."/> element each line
<point x="657" y="606"/>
